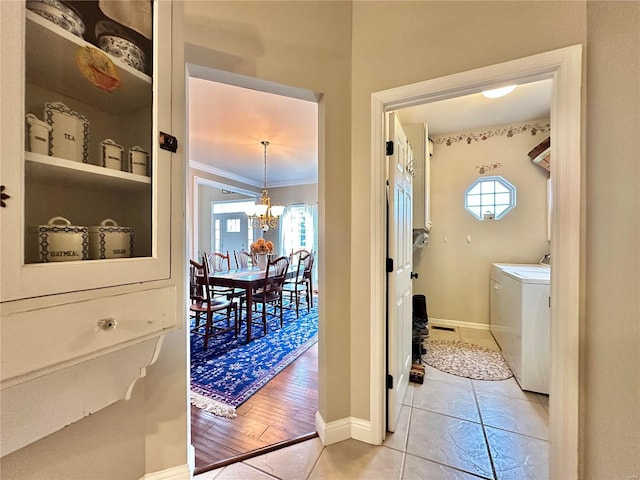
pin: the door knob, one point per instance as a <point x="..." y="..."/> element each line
<point x="414" y="275"/>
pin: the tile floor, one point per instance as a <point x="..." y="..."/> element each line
<point x="450" y="428"/>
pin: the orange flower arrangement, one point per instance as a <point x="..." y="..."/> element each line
<point x="260" y="246"/>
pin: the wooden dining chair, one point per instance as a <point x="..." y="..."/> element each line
<point x="203" y="302"/>
<point x="297" y="287"/>
<point x="242" y="258"/>
<point x="219" y="262"/>
<point x="270" y="291"/>
<point x="308" y="261"/>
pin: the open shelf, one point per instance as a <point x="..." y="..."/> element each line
<point x="67" y="173"/>
<point x="51" y="53"/>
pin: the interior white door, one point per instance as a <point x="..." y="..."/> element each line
<point x="399" y="297"/>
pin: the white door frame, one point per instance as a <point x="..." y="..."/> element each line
<point x="564" y="66"/>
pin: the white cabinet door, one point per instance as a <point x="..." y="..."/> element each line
<point x="43" y="64"/>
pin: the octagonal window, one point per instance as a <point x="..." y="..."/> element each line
<point x="490" y="197"/>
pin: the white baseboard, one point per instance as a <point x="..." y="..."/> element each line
<point x="191" y="456"/>
<point x="343" y="429"/>
<point x="457" y="323"/>
<point x="181" y="472"/>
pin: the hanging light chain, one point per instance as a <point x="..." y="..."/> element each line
<point x="266" y="144"/>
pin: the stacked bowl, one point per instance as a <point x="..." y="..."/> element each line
<point x="57" y="12"/>
<point x="113" y="39"/>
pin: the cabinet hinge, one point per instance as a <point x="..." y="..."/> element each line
<point x="390" y="147"/>
<point x="389" y="265"/>
<point x="168" y="142"/>
<point x="389" y="381"/>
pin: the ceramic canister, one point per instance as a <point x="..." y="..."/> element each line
<point x="138" y="161"/>
<point x="70" y="133"/>
<point x="109" y="240"/>
<point x="62" y="242"/>
<point x="37" y="136"/>
<point x="111" y="154"/>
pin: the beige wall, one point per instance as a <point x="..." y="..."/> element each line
<point x="306" y="194"/>
<point x="207" y="195"/>
<point x="451" y="267"/>
<point x="610" y="359"/>
<point x="305" y="45"/>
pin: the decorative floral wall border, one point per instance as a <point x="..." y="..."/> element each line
<point x="532" y="128"/>
<point x="488" y="167"/>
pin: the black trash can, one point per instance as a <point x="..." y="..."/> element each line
<point x="420" y="317"/>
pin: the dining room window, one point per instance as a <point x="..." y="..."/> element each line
<point x="298" y="228"/>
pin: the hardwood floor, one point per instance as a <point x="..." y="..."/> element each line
<point x="282" y="410"/>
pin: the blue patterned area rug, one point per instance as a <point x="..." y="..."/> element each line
<point x="231" y="371"/>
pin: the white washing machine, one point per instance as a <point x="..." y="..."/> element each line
<point x="520" y="320"/>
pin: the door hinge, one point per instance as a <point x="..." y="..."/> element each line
<point x="390" y="147"/>
<point x="389" y="265"/>
<point x="389" y="381"/>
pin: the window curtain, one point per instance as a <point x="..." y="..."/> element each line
<point x="295" y="220"/>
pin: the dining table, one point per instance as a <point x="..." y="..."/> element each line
<point x="247" y="279"/>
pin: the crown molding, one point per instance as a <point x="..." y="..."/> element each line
<point x="203" y="167"/>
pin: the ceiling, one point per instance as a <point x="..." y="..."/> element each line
<point x="227" y="124"/>
<point x="527" y="102"/>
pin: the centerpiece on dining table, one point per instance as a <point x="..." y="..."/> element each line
<point x="261" y="251"/>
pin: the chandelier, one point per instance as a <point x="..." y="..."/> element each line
<point x="262" y="215"/>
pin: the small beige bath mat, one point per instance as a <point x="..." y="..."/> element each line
<point x="466" y="360"/>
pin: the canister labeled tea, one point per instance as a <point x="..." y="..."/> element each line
<point x="109" y="240"/>
<point x="70" y="132"/>
<point x="62" y="242"/>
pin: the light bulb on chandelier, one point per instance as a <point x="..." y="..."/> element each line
<point x="262" y="215"/>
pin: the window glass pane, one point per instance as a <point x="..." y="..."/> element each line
<point x="503" y="198"/>
<point x="500" y="209"/>
<point x="216" y="236"/>
<point x="475" y="190"/>
<point x="233" y="225"/>
<point x="500" y="187"/>
<point x="473" y="200"/>
<point x="476" y="211"/>
<point x="488" y="199"/>
<point x="487" y="187"/>
<point x="231" y="207"/>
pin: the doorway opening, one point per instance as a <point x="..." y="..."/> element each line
<point x="563" y="66"/>
<point x="283" y="410"/>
